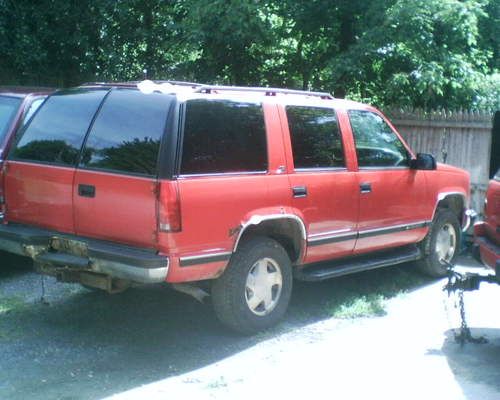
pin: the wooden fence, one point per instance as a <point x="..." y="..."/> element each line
<point x="459" y="138"/>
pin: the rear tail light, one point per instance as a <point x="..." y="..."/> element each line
<point x="169" y="208"/>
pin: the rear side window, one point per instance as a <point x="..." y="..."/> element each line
<point x="223" y="136"/>
<point x="8" y="109"/>
<point x="55" y="134"/>
<point x="127" y="132"/>
<point x="315" y="136"/>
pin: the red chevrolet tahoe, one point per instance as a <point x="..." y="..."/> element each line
<point x="487" y="232"/>
<point x="239" y="190"/>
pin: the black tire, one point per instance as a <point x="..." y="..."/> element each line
<point x="431" y="263"/>
<point x="230" y="293"/>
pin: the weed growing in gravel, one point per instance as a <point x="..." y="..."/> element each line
<point x="366" y="294"/>
<point x="362" y="306"/>
<point x="10" y="303"/>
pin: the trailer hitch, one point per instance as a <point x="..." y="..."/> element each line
<point x="466" y="282"/>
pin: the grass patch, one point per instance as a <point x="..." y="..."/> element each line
<point x="362" y="306"/>
<point x="10" y="304"/>
<point x="9" y="327"/>
<point x="366" y="294"/>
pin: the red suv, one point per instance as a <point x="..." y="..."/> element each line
<point x="239" y="188"/>
<point x="487" y="232"/>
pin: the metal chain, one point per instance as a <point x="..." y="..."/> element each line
<point x="455" y="284"/>
<point x="464" y="335"/>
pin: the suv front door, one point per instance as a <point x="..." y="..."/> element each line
<point x="392" y="204"/>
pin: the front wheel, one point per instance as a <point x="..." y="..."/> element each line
<point x="441" y="245"/>
<point x="254" y="291"/>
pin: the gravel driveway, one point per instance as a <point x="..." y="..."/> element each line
<point x="153" y="343"/>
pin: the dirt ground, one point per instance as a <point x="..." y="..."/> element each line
<point x="154" y="343"/>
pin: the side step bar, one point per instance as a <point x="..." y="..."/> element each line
<point x="333" y="269"/>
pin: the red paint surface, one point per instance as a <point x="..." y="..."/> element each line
<point x="40" y="195"/>
<point x="123" y="209"/>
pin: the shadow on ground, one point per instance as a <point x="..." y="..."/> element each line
<point x="474" y="363"/>
<point x="86" y="345"/>
<point x="11" y="265"/>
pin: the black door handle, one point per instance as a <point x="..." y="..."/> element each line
<point x="365" y="187"/>
<point x="86" y="190"/>
<point x="299" y="191"/>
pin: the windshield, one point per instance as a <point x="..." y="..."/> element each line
<point x="8" y="109"/>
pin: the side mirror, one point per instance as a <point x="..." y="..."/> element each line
<point x="424" y="162"/>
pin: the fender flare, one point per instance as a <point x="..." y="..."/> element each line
<point x="258" y="219"/>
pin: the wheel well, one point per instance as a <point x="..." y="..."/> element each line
<point x="455" y="203"/>
<point x="285" y="231"/>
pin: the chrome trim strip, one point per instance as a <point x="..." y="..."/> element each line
<point x="393" y="228"/>
<point x="332" y="239"/>
<point x="402" y="167"/>
<point x="204" y="258"/>
<point x="315" y="240"/>
<point x="216" y="174"/>
<point x="329" y="169"/>
<point x="329" y="233"/>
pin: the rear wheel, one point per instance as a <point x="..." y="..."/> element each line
<point x="441" y="245"/>
<point x="254" y="291"/>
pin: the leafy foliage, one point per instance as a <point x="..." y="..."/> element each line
<point x="426" y="53"/>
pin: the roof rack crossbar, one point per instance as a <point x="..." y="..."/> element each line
<point x="267" y="90"/>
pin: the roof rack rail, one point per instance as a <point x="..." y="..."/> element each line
<point x="134" y="83"/>
<point x="267" y="90"/>
<point x="124" y="84"/>
<point x="182" y="83"/>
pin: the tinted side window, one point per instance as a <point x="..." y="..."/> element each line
<point x="56" y="132"/>
<point x="315" y="136"/>
<point x="8" y="109"/>
<point x="376" y="144"/>
<point x="127" y="132"/>
<point x="223" y="136"/>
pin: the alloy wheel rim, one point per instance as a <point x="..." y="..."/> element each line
<point x="446" y="243"/>
<point x="263" y="286"/>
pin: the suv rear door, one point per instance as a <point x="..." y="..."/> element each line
<point x="231" y="151"/>
<point x="41" y="166"/>
<point x="116" y="180"/>
<point x="323" y="189"/>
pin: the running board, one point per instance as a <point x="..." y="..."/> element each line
<point x="333" y="269"/>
